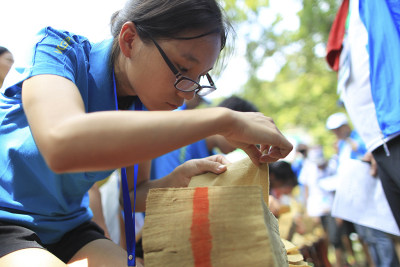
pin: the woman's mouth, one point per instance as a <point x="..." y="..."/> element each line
<point x="173" y="106"/>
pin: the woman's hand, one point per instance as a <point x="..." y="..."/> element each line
<point x="369" y="158"/>
<point x="182" y="174"/>
<point x="251" y="129"/>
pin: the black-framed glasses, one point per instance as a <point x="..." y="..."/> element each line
<point x="183" y="83"/>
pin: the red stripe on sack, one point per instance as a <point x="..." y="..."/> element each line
<point x="200" y="231"/>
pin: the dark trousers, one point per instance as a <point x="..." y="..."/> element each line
<point x="389" y="173"/>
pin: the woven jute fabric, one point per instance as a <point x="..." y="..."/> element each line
<point x="219" y="221"/>
<point x="242" y="172"/>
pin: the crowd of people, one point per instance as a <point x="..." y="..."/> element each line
<point x="111" y="118"/>
<point x="334" y="196"/>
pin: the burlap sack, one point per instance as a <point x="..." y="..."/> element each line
<point x="242" y="172"/>
<point x="214" y="224"/>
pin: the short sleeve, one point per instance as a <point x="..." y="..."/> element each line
<point x="55" y="52"/>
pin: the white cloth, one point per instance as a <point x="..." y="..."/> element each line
<point x="360" y="198"/>
<point x="319" y="201"/>
<point x="110" y="202"/>
<point x="356" y="88"/>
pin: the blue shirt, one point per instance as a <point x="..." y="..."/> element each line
<point x="382" y="22"/>
<point x="31" y="194"/>
<point x="165" y="164"/>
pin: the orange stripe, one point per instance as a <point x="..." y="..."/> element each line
<point x="200" y="231"/>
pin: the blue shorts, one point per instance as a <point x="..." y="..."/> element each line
<point x="15" y="237"/>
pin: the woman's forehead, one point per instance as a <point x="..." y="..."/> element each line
<point x="198" y="50"/>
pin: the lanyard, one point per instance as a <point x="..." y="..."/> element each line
<point x="129" y="214"/>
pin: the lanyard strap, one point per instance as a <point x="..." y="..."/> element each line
<point x="130" y="233"/>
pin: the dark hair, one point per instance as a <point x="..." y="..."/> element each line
<point x="283" y="172"/>
<point x="3" y="50"/>
<point x="169" y="19"/>
<point x="302" y="148"/>
<point x="238" y="104"/>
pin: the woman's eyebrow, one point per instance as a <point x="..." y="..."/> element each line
<point x="190" y="57"/>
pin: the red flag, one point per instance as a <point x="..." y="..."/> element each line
<point x="335" y="40"/>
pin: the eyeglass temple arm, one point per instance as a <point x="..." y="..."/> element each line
<point x="166" y="59"/>
<point x="210" y="80"/>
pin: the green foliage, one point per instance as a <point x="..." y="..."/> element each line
<point x="303" y="93"/>
<point x="238" y="12"/>
<point x="242" y="10"/>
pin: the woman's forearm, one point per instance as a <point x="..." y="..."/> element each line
<point x="106" y="140"/>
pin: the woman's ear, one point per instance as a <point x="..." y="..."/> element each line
<point x="127" y="37"/>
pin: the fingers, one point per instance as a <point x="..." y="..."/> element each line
<point x="219" y="158"/>
<point x="254" y="153"/>
<point x="282" y="149"/>
<point x="267" y="153"/>
<point x="259" y="129"/>
<point x="265" y="148"/>
<point x="369" y="158"/>
<point x="215" y="164"/>
<point x="181" y="175"/>
<point x="275" y="153"/>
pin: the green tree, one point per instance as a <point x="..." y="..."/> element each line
<point x="303" y="93"/>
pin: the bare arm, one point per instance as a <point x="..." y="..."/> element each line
<point x="72" y="140"/>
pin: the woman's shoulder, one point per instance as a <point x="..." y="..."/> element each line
<point x="61" y="41"/>
<point x="49" y="51"/>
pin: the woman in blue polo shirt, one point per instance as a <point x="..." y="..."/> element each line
<point x="60" y="131"/>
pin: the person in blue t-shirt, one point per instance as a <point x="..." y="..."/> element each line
<point x="165" y="164"/>
<point x="60" y="131"/>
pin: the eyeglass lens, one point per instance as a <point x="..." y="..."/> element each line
<point x="186" y="85"/>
